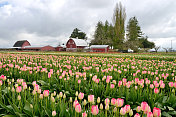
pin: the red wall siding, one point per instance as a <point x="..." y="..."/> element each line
<point x="47" y="48"/>
<point x="26" y="44"/>
<point x="70" y="44"/>
<point x="59" y="48"/>
<point x="100" y="49"/>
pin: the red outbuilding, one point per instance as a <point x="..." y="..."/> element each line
<point x="99" y="48"/>
<point x="60" y="48"/>
<point x="21" y="44"/>
<point x="44" y="48"/>
<point x="74" y="44"/>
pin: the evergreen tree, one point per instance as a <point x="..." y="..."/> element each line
<point x="99" y="34"/>
<point x="103" y="34"/>
<point x="77" y="34"/>
<point x="119" y="18"/>
<point x="134" y="34"/>
<point x="133" y="30"/>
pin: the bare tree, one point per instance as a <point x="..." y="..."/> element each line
<point x="156" y="48"/>
<point x="166" y="49"/>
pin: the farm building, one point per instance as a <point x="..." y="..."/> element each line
<point x="99" y="48"/>
<point x="21" y="44"/>
<point x="45" y="48"/>
<point x="61" y="48"/>
<point x="74" y="44"/>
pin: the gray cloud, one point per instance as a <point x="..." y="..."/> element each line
<point x="46" y="22"/>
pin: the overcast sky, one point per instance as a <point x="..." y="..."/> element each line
<point x="50" y="22"/>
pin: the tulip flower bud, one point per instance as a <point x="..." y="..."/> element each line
<point x="8" y="80"/>
<point x="101" y="106"/>
<point x="64" y="96"/>
<point x="131" y="112"/>
<point x="16" y="85"/>
<point x="54" y="113"/>
<point x="138" y="109"/>
<point x="13" y="89"/>
<point x="115" y="109"/>
<point x="52" y="99"/>
<point x="71" y="100"/>
<point x="84" y="102"/>
<point x="107" y="107"/>
<point x="41" y="96"/>
<point x="54" y="94"/>
<point x="76" y="93"/>
<point x="12" y="80"/>
<point x="60" y="94"/>
<point x="31" y="106"/>
<point x="19" y="97"/>
<point x="98" y="100"/>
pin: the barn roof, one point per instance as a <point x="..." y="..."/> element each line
<point x="19" y="43"/>
<point x="80" y="42"/>
<point x="99" y="46"/>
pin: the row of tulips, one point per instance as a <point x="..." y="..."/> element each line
<point x="19" y="96"/>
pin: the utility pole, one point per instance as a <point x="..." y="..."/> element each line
<point x="171" y="45"/>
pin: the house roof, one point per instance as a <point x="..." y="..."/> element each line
<point x="80" y="42"/>
<point x="99" y="46"/>
<point x="19" y="43"/>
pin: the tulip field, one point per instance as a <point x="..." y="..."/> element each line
<point x="40" y="85"/>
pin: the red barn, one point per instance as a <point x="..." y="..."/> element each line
<point x="74" y="44"/>
<point x="21" y="44"/>
<point x="99" y="48"/>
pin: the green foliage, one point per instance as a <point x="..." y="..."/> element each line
<point x="77" y="34"/>
<point x="145" y="43"/>
<point x="119" y="18"/>
<point x="103" y="34"/>
<point x="134" y="32"/>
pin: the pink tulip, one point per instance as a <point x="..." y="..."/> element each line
<point x="138" y="109"/>
<point x="156" y="112"/>
<point x="49" y="74"/>
<point x="151" y="86"/>
<point x="120" y="83"/>
<point x="18" y="89"/>
<point x="84" y="114"/>
<point x="78" y="108"/>
<point x="113" y="101"/>
<point x="107" y="101"/>
<point x="162" y="85"/>
<point x="107" y="80"/>
<point x="1" y="82"/>
<point x="97" y="81"/>
<point x="75" y="102"/>
<point x="112" y="86"/>
<point x="149" y="114"/>
<point x="137" y="115"/>
<point x="119" y="102"/>
<point x="94" y="109"/>
<point x="145" y="107"/>
<point x="175" y="84"/>
<point x="91" y="98"/>
<point x="46" y="93"/>
<point x="171" y="84"/>
<point x="127" y="107"/>
<point x="79" y="81"/>
<point x="122" y="111"/>
<point x="156" y="90"/>
<point x="81" y="96"/>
